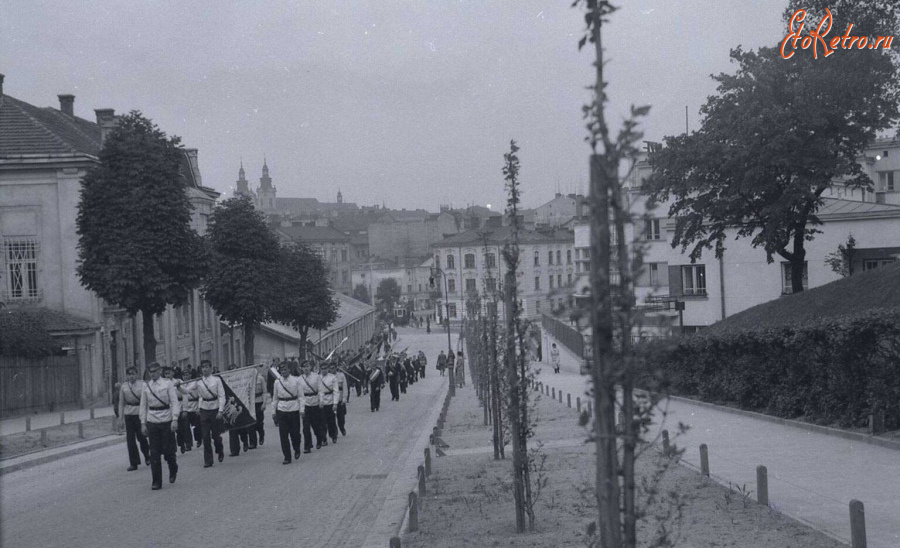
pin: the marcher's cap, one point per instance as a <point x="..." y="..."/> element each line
<point x="153" y="366"/>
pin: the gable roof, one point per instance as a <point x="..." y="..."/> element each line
<point x="504" y="234"/>
<point x="313" y="234"/>
<point x="26" y="129"/>
<point x="836" y="209"/>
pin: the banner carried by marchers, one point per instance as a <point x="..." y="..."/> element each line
<point x="240" y="396"/>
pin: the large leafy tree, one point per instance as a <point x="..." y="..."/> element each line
<point x="778" y="134"/>
<point x="240" y="285"/>
<point x="387" y="294"/>
<point x="305" y="297"/>
<point x="135" y="242"/>
<point x="361" y="293"/>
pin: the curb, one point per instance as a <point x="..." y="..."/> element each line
<point x="109" y="440"/>
<point x="835" y="432"/>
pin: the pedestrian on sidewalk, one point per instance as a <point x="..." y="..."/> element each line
<point x="288" y="410"/>
<point x="212" y="404"/>
<point x="554" y="357"/>
<point x="441" y="362"/>
<point x="460" y="369"/>
<point x="159" y="416"/>
<point x="130" y="410"/>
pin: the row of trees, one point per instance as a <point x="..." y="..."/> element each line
<point x="138" y="251"/>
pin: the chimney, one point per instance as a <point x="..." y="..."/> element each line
<point x="67" y="104"/>
<point x="106" y="119"/>
<point x="1" y="85"/>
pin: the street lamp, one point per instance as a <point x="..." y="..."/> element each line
<point x="447" y="305"/>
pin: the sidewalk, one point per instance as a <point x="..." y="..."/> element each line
<point x="812" y="476"/>
<point x="16" y="425"/>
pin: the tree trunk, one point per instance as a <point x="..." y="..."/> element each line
<point x="249" y="335"/>
<point x="514" y="412"/>
<point x="304" y="333"/>
<point x="149" y="337"/>
<point x="496" y="409"/>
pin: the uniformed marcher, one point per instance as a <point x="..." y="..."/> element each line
<point x="343" y="398"/>
<point x="130" y="413"/>
<point x="238" y="437"/>
<point x="288" y="408"/>
<point x="183" y="436"/>
<point x="311" y="385"/>
<point x="376" y="381"/>
<point x="212" y="403"/>
<point x="402" y="379"/>
<point x="190" y="407"/>
<point x="257" y="432"/>
<point x="330" y="399"/>
<point x="393" y="378"/>
<point x="159" y="419"/>
<point x="422" y="362"/>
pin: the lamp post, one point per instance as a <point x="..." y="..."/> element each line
<point x="447" y="305"/>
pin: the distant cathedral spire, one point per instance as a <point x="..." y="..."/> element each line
<point x="340" y="197"/>
<point x="266" y="192"/>
<point x="243" y="189"/>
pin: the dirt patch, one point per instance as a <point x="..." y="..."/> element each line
<point x="470" y="502"/>
<point x="14" y="445"/>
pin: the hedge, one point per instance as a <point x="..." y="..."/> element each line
<point x="834" y="370"/>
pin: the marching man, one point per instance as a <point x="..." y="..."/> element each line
<point x="159" y="416"/>
<point x="330" y="399"/>
<point x="130" y="411"/>
<point x="288" y="407"/>
<point x="343" y="398"/>
<point x="212" y="403"/>
<point x="376" y="381"/>
<point x="311" y="384"/>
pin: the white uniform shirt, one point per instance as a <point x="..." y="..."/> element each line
<point x="191" y="401"/>
<point x="311" y="386"/>
<point x="330" y="395"/>
<point x="162" y="406"/>
<point x="212" y="393"/>
<point x="286" y="395"/>
<point x="130" y="397"/>
<point x="260" y="393"/>
<point x="343" y="387"/>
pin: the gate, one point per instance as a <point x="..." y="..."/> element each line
<point x="43" y="384"/>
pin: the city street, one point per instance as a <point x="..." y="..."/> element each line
<point x="330" y="498"/>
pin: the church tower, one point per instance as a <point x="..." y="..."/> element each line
<point x="340" y="197"/>
<point x="266" y="192"/>
<point x="243" y="188"/>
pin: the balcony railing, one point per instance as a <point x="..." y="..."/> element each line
<point x="28" y="296"/>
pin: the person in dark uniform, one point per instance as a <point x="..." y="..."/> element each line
<point x="130" y="413"/>
<point x="343" y="397"/>
<point x="411" y="372"/>
<point x="376" y="381"/>
<point x="159" y="418"/>
<point x="257" y="432"/>
<point x="421" y="362"/>
<point x="402" y="378"/>
<point x="212" y="404"/>
<point x="390" y="371"/>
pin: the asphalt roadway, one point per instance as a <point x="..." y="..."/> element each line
<point x="333" y="497"/>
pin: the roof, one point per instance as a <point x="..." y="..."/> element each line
<point x="27" y="129"/>
<point x="300" y="205"/>
<point x="504" y="234"/>
<point x="56" y="322"/>
<point x="313" y="234"/>
<point x="403" y="215"/>
<point x="349" y="310"/>
<point x="834" y="209"/>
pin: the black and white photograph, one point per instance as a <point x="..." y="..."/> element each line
<point x="450" y="273"/>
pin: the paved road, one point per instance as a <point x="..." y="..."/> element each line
<point x="330" y="498"/>
<point x="812" y="476"/>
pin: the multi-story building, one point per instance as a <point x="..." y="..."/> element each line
<point x="472" y="263"/>
<point x="402" y="234"/>
<point x="44" y="155"/>
<point x="412" y="276"/>
<point x="332" y="245"/>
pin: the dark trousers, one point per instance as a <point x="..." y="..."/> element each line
<point x="133" y="437"/>
<point x="161" y="443"/>
<point x="341" y="414"/>
<point x="209" y="428"/>
<point x="403" y="386"/>
<point x="359" y="388"/>
<point x="312" y="426"/>
<point x="236" y="437"/>
<point x="395" y="389"/>
<point x="375" y="398"/>
<point x="194" y="424"/>
<point x="328" y="420"/>
<point x="258" y="430"/>
<point x="184" y="432"/>
<point x="289" y="432"/>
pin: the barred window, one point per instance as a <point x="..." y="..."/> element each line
<point x="20" y="255"/>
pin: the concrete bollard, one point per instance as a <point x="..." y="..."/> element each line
<point x="578" y="403"/>
<point x="81" y="430"/>
<point x="553" y="391"/>
<point x="413" y="513"/>
<point x="395" y="542"/>
<point x="704" y="460"/>
<point x="62" y="418"/>
<point x="422" y="490"/>
<point x="569" y="400"/>
<point x="43" y="437"/>
<point x="762" y="485"/>
<point x="857" y="524"/>
<point x="427" y="461"/>
<point x="666" y="448"/>
<point x="28" y="424"/>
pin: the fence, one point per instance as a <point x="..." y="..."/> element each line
<point x="566" y="335"/>
<point x="43" y="384"/>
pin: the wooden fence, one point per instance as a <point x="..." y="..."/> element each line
<point x="44" y="384"/>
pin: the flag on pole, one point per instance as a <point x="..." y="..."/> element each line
<point x="240" y="396"/>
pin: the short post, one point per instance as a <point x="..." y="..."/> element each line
<point x="590" y="409"/>
<point x="665" y="438"/>
<point x="395" y="542"/>
<point x="92" y="412"/>
<point x="762" y="485"/>
<point x="422" y="490"/>
<point x="578" y="403"/>
<point x="569" y="400"/>
<point x="857" y="524"/>
<point x="876" y="423"/>
<point x="427" y="461"/>
<point x="704" y="460"/>
<point x="43" y="437"/>
<point x="553" y="392"/>
<point x="28" y="424"/>
<point x="62" y="418"/>
<point x="413" y="513"/>
<point x="81" y="430"/>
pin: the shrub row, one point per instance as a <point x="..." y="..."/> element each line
<point x="835" y="370"/>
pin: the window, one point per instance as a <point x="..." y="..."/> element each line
<point x="452" y="310"/>
<point x="651" y="229"/>
<point x="469" y="260"/>
<point x="451" y="285"/>
<point x="558" y="257"/>
<point x="786" y="286"/>
<point x="551" y="282"/>
<point x="693" y="279"/>
<point x="886" y="181"/>
<point x="490" y="260"/>
<point x="345" y="276"/>
<point x="470" y="285"/>
<point x="537" y="283"/>
<point x="568" y="256"/>
<point x="21" y="256"/>
<point x="568" y="278"/>
<point x="869" y="264"/>
<point x="344" y="255"/>
<point x="653" y="270"/>
<point x="437" y="261"/>
<point x="550" y="258"/>
<point x="490" y="284"/>
<point x="537" y="306"/>
<point x="537" y="258"/>
<point x="450" y="265"/>
<point x="559" y="280"/>
<point x="408" y="288"/>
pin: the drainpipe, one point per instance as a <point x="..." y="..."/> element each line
<point x="722" y="282"/>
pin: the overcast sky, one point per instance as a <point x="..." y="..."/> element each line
<point x="409" y="103"/>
